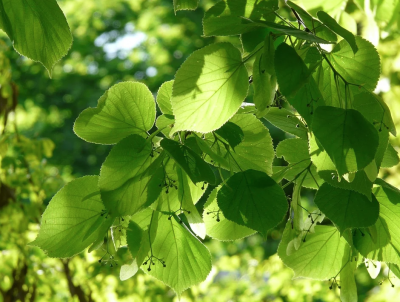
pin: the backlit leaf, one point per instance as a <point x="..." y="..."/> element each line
<point x="187" y="260"/>
<point x="209" y="88"/>
<point x="126" y="108"/>
<point x="319" y="257"/>
<point x="72" y="213"/>
<point x="124" y="184"/>
<point x="37" y="28"/>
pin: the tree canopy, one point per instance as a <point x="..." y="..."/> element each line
<point x="220" y="147"/>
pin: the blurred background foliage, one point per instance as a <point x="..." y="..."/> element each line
<point x="142" y="40"/>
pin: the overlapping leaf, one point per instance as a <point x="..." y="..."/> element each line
<point x="189" y="161"/>
<point x="124" y="184"/>
<point x="362" y="69"/>
<point x="300" y="168"/>
<point x="252" y="151"/>
<point x="229" y="17"/>
<point x="286" y="121"/>
<point x="381" y="242"/>
<point x="264" y="78"/>
<point x="313" y="24"/>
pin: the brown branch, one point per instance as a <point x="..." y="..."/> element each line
<point x="73" y="289"/>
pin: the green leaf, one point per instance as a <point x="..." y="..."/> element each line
<point x="165" y="122"/>
<point x="126" y="108"/>
<point x="334" y="26"/>
<point x="327" y="171"/>
<point x="348" y="138"/>
<point x="375" y="110"/>
<point x="204" y="147"/>
<point x="38" y="29"/>
<point x="390" y="158"/>
<point x="264" y="78"/>
<point x="345" y="208"/>
<point x="291" y="31"/>
<point x="286" y="121"/>
<point x="148" y="221"/>
<point x="395" y="269"/>
<point x="386" y="246"/>
<point x="128" y="271"/>
<point x="253" y="199"/>
<point x="125" y="185"/>
<point x="134" y="235"/>
<point x="348" y="287"/>
<point x="209" y="88"/>
<point x="293" y="150"/>
<point x="300" y="169"/>
<point x="217" y="226"/>
<point x="185" y="196"/>
<point x="227" y="18"/>
<point x="187" y="260"/>
<point x="197" y="169"/>
<point x="362" y="68"/>
<point x="297" y="209"/>
<point x="185" y="5"/>
<point x="164" y="97"/>
<point x="333" y="7"/>
<point x="310" y="56"/>
<point x="170" y="202"/>
<point x="313" y="24"/>
<point x="253" y="39"/>
<point x="319" y="257"/>
<point x="254" y="152"/>
<point x="231" y="133"/>
<point x="291" y="72"/>
<point x="71" y="214"/>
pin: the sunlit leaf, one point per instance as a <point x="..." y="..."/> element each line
<point x="126" y="108"/>
<point x="228" y="17"/>
<point x="319" y="257"/>
<point x="334" y="26"/>
<point x="76" y="210"/>
<point x="185" y="5"/>
<point x="37" y="28"/>
<point x="194" y="166"/>
<point x="286" y="121"/>
<point x="164" y="95"/>
<point x="209" y="88"/>
<point x="124" y="184"/>
<point x="187" y="260"/>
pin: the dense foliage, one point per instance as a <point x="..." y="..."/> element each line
<point x="199" y="160"/>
